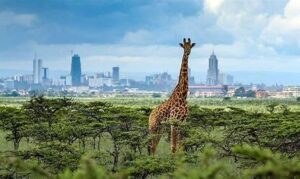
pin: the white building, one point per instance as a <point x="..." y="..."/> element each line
<point x="37" y="71"/>
<point x="96" y="82"/>
<point x="225" y="79"/>
<point x="9" y="84"/>
<point x="59" y="82"/>
<point x="27" y="78"/>
<point x="63" y="81"/>
<point x="78" y="89"/>
<point x="208" y="91"/>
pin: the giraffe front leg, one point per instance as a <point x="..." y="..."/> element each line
<point x="174" y="138"/>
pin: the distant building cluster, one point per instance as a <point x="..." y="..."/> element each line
<point x="39" y="79"/>
<point x="213" y="71"/>
<point x="97" y="80"/>
<point x="218" y="84"/>
<point x="214" y="77"/>
<point x="162" y="81"/>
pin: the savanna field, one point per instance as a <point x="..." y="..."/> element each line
<point x="108" y="138"/>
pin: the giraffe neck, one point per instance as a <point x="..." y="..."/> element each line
<point x="181" y="89"/>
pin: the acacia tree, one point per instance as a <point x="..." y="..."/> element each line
<point x="40" y="109"/>
<point x="240" y="92"/>
<point x="14" y="121"/>
<point x="54" y="156"/>
<point x="94" y="116"/>
<point x="126" y="127"/>
<point x="43" y="113"/>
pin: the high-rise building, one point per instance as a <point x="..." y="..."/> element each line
<point x="225" y="79"/>
<point x="115" y="74"/>
<point x="37" y="71"/>
<point x="45" y="73"/>
<point x="76" y="70"/>
<point x="191" y="78"/>
<point x="213" y="71"/>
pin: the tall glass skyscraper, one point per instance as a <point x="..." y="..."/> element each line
<point x="37" y="70"/>
<point x="45" y="73"/>
<point x="116" y="74"/>
<point x="213" y="70"/>
<point x="76" y="70"/>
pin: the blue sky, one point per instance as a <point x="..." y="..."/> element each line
<point x="142" y="35"/>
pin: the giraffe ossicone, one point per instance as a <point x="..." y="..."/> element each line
<point x="175" y="107"/>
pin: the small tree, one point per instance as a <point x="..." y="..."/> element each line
<point x="156" y="95"/>
<point x="240" y="92"/>
<point x="250" y="94"/>
<point x="41" y="109"/>
<point x="271" y="107"/>
<point x="226" y="98"/>
<point x="14" y="121"/>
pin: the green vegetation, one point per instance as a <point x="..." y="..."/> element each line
<point x="87" y="138"/>
<point x="241" y="92"/>
<point x="251" y="104"/>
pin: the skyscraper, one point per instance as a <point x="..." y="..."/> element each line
<point x="213" y="71"/>
<point x="225" y="79"/>
<point x="115" y="74"/>
<point x="45" y="73"/>
<point x="76" y="70"/>
<point x="37" y="71"/>
<point x="191" y="78"/>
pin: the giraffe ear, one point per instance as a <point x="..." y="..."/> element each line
<point x="193" y="44"/>
<point x="181" y="45"/>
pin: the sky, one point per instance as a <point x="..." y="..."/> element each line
<point x="249" y="37"/>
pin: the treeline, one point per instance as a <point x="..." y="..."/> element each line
<point x="63" y="138"/>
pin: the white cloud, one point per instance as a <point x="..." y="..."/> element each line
<point x="212" y="6"/>
<point x="292" y="8"/>
<point x="141" y="36"/>
<point x="284" y="30"/>
<point x="262" y="28"/>
<point x="11" y="18"/>
<point x="242" y="19"/>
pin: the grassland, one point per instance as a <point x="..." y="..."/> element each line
<point x="250" y="104"/>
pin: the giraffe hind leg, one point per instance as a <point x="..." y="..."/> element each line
<point x="153" y="131"/>
<point x="155" y="138"/>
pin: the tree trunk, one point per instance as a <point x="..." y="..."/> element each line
<point x="94" y="143"/>
<point x="115" y="157"/>
<point x="16" y="144"/>
<point x="83" y="144"/>
<point x="99" y="140"/>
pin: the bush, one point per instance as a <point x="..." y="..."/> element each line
<point x="156" y="95"/>
<point x="226" y="99"/>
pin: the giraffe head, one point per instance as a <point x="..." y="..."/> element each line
<point x="187" y="45"/>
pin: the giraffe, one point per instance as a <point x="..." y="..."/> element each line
<point x="175" y="107"/>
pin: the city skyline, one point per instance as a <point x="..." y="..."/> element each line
<point x="200" y="76"/>
<point x="110" y="83"/>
